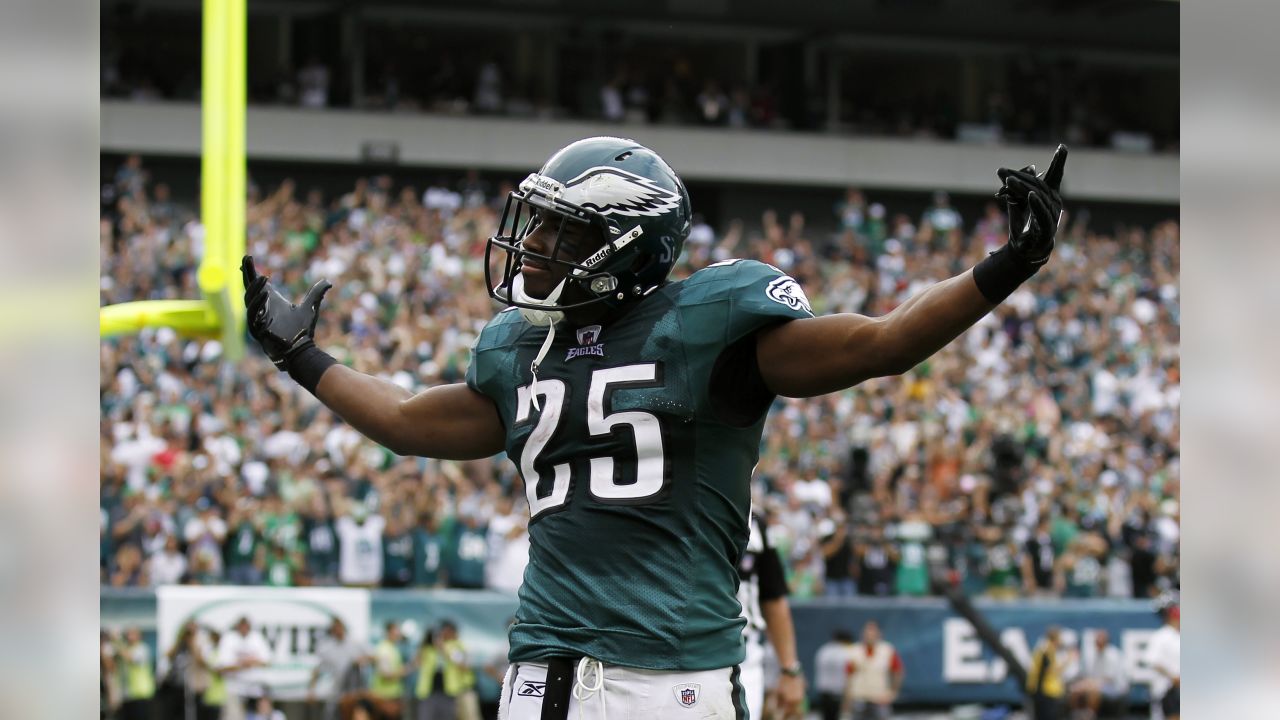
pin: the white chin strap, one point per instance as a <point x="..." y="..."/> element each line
<point x="538" y="317"/>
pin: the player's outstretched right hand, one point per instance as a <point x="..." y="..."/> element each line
<point x="280" y="327"/>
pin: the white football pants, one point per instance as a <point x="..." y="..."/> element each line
<point x="610" y="692"/>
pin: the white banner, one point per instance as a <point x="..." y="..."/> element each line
<point x="291" y="620"/>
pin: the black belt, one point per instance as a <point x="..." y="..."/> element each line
<point x="560" y="677"/>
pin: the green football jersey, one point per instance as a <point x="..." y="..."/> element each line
<point x="637" y="487"/>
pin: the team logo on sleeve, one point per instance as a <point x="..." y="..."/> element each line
<point x="687" y="694"/>
<point x="786" y="291"/>
<point x="587" y="343"/>
<point x="532" y="689"/>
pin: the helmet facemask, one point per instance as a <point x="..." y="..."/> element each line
<point x="589" y="282"/>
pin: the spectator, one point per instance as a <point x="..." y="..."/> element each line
<point x="321" y="542"/>
<point x="941" y="216"/>
<point x="876" y="677"/>
<point x="397" y="553"/>
<point x="130" y="570"/>
<point x="359" y="547"/>
<point x="340" y="657"/>
<point x="205" y="534"/>
<point x="1002" y="567"/>
<point x="245" y="553"/>
<point x="488" y="95"/>
<point x="1080" y="572"/>
<point x="313" y="83"/>
<point x="443" y="675"/>
<point x="468" y="552"/>
<point x="1038" y="561"/>
<point x="877" y="563"/>
<point x="110" y="687"/>
<point x="1164" y="657"/>
<point x="1045" y="677"/>
<point x="169" y="566"/>
<point x="239" y="654"/>
<point x="1099" y="682"/>
<point x="214" y="696"/>
<point x="837" y="555"/>
<point x="612" y="107"/>
<point x="508" y="542"/>
<point x="386" y="686"/>
<point x="181" y="682"/>
<point x="913" y="571"/>
<point x="264" y="709"/>
<point x="282" y="566"/>
<point x="428" y="553"/>
<point x="833" y="664"/>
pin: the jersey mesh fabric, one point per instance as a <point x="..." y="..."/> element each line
<point x="646" y="581"/>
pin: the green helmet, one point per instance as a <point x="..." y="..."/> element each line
<point x="618" y="186"/>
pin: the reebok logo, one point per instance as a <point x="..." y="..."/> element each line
<point x="529" y="688"/>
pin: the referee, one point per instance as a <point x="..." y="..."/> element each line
<point x="762" y="590"/>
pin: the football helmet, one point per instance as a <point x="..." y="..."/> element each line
<point x="621" y="188"/>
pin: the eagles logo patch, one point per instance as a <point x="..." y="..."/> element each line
<point x="587" y="344"/>
<point x="786" y="291"/>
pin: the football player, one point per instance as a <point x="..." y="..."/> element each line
<point x="633" y="408"/>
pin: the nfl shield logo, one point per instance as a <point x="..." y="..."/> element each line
<point x="687" y="695"/>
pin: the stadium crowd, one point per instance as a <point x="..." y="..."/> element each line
<point x="1036" y="456"/>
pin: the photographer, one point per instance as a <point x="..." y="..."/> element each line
<point x="175" y="698"/>
<point x="443" y="675"/>
<point x="139" y="676"/>
<point x="340" y="659"/>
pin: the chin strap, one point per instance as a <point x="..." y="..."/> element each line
<point x="539" y="317"/>
<point x="533" y="367"/>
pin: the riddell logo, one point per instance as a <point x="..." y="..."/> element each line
<point x="587" y="338"/>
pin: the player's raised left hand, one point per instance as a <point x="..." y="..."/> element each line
<point x="280" y="327"/>
<point x="1034" y="204"/>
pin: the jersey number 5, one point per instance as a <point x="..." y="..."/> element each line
<point x="605" y="485"/>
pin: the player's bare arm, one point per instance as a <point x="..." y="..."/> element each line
<point x="813" y="356"/>
<point x="451" y="422"/>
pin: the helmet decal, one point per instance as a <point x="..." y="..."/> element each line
<point x="611" y="191"/>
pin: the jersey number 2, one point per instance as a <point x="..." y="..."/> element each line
<point x="645" y="428"/>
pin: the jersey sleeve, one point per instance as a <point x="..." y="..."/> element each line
<point x="748" y="296"/>
<point x="761" y="295"/>
<point x="493" y="355"/>
<point x="477" y="372"/>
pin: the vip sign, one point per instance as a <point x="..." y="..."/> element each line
<point x="292" y="620"/>
<point x="966" y="660"/>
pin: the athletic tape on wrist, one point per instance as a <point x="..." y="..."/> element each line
<point x="1000" y="273"/>
<point x="308" y="365"/>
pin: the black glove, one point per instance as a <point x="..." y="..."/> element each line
<point x="1034" y="205"/>
<point x="284" y="330"/>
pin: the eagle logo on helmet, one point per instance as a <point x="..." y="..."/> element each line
<point x="610" y="191"/>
